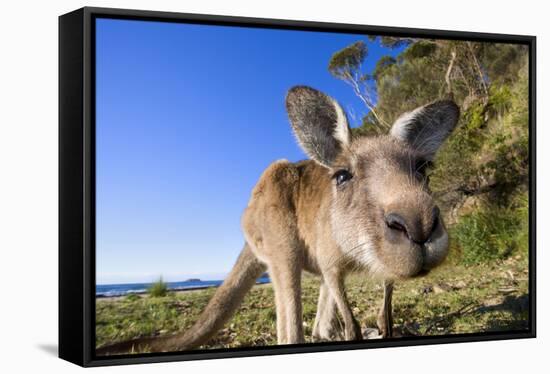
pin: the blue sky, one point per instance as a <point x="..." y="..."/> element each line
<point x="188" y="117"/>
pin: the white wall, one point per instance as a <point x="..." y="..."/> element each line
<point x="28" y="184"/>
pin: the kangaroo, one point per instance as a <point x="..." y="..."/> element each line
<point x="359" y="203"/>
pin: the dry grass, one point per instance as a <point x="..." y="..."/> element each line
<point x="454" y="299"/>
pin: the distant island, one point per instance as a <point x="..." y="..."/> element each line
<point x="193" y="280"/>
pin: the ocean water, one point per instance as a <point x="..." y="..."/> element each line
<point x="109" y="290"/>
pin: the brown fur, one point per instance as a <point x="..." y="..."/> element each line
<point x="381" y="220"/>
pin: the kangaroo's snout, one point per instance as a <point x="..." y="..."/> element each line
<point x="413" y="237"/>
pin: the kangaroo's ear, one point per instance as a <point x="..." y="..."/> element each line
<point x="319" y="123"/>
<point x="427" y="127"/>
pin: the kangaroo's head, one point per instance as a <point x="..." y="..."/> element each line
<point x="382" y="213"/>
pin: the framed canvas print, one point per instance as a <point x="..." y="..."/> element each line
<point x="237" y="186"/>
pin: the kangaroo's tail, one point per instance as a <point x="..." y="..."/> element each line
<point x="221" y="307"/>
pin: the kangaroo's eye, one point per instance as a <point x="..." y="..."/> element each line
<point x="342" y="176"/>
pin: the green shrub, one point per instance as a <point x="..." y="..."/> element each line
<point x="492" y="233"/>
<point x="132" y="297"/>
<point x="158" y="289"/>
<point x="500" y="99"/>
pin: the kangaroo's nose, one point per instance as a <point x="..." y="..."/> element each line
<point x="413" y="226"/>
<point x="396" y="222"/>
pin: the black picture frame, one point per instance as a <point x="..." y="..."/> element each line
<point x="77" y="181"/>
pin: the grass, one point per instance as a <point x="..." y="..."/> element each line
<point x="454" y="299"/>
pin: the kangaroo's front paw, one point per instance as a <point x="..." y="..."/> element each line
<point x="384" y="327"/>
<point x="353" y="332"/>
<point x="328" y="335"/>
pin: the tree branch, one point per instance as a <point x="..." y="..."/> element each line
<point x="449" y="70"/>
<point x="478" y="67"/>
<point x="366" y="99"/>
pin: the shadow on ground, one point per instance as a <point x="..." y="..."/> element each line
<point x="508" y="310"/>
